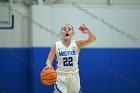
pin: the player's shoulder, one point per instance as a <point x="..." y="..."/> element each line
<point x="58" y="42"/>
<point x="53" y="45"/>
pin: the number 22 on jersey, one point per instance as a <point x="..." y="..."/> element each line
<point x="68" y="61"/>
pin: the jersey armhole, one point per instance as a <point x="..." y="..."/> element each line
<point x="77" y="49"/>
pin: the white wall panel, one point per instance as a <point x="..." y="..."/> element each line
<point x="112" y="25"/>
<point x="125" y="2"/>
<point x="42" y="20"/>
<point x="18" y="36"/>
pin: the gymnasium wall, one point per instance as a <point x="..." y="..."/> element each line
<point x="109" y="65"/>
<point x="15" y="69"/>
<point x="17" y="36"/>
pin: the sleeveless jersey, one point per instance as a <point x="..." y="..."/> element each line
<point x="67" y="57"/>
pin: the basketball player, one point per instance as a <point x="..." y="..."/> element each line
<point x="66" y="52"/>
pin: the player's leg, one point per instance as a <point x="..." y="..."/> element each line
<point x="61" y="84"/>
<point x="74" y="86"/>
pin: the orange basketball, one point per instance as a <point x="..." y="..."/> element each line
<point x="48" y="76"/>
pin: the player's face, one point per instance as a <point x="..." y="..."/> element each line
<point x="67" y="31"/>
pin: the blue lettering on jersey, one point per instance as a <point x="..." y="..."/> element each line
<point x="66" y="53"/>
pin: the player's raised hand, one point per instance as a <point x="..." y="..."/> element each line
<point x="83" y="29"/>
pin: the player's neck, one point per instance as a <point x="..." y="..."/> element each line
<point x="66" y="42"/>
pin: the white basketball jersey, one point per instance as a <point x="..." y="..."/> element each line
<point x="67" y="57"/>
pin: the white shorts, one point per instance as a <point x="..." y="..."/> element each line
<point x="67" y="83"/>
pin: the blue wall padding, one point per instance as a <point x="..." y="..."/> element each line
<point x="14" y="70"/>
<point x="102" y="70"/>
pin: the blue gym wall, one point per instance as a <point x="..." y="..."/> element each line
<point x="14" y="73"/>
<point x="102" y="70"/>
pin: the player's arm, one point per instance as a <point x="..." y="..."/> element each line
<point x="51" y="56"/>
<point x="83" y="42"/>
